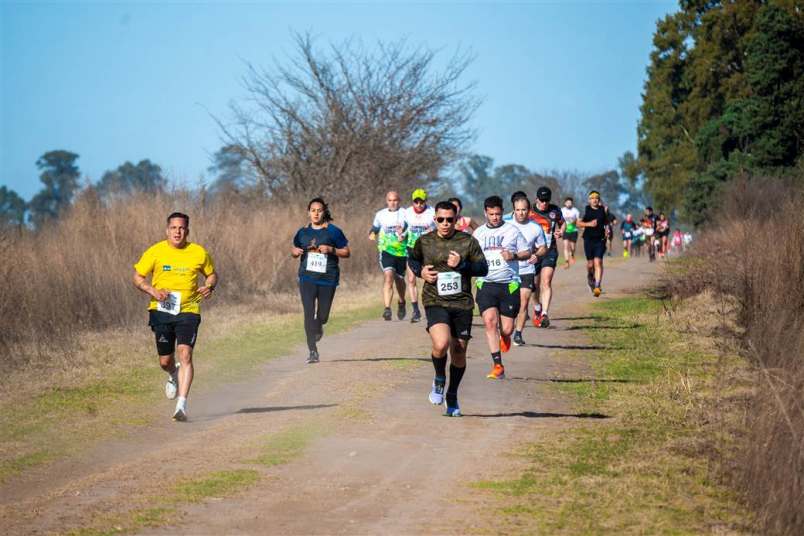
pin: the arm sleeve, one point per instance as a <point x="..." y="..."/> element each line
<point x="146" y="263"/>
<point x="541" y="240"/>
<point x="209" y="267"/>
<point x="297" y="239"/>
<point x="415" y="258"/>
<point x="375" y="225"/>
<point x="339" y="238"/>
<point x="475" y="264"/>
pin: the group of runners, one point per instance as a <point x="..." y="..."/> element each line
<point x="510" y="260"/>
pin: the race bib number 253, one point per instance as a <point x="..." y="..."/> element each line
<point x="449" y="283"/>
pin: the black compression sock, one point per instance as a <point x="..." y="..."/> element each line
<point x="415" y="306"/>
<point x="517" y="333"/>
<point x="496" y="357"/>
<point x="455" y="376"/>
<point x="440" y="366"/>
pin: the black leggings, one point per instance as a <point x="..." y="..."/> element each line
<point x="315" y="314"/>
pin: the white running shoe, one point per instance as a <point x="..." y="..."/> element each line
<point x="172" y="385"/>
<point x="437" y="394"/>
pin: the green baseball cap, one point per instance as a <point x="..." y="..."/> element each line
<point x="419" y="193"/>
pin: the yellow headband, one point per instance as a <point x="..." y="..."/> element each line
<point x="592" y="195"/>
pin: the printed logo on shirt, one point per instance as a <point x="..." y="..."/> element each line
<point x="166" y="268"/>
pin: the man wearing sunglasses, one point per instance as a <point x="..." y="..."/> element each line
<point x="447" y="260"/>
<point x="498" y="292"/>
<point x="419" y="219"/>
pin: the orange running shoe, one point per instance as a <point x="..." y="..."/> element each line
<point x="497" y="373"/>
<point x="596" y="292"/>
<point x="537" y="319"/>
<point x="505" y="343"/>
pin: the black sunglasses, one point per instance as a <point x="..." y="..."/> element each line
<point x="448" y="219"/>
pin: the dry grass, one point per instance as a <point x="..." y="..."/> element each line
<point x="752" y="262"/>
<point x="73" y="278"/>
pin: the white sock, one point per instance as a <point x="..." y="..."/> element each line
<point x="181" y="403"/>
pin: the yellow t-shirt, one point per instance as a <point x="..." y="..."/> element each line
<point x="176" y="270"/>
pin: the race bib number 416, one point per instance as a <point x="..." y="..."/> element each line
<point x="449" y="283"/>
<point x="316" y="262"/>
<point x="495" y="260"/>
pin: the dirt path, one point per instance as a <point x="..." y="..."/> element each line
<point x="378" y="458"/>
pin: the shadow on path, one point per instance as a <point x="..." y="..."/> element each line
<point x="377" y="359"/>
<point x="585" y="327"/>
<point x="572" y="380"/>
<point x="575" y="346"/>
<point x="538" y="415"/>
<point x="271" y="409"/>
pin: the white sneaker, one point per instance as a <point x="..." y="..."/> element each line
<point x="437" y="394"/>
<point x="181" y="410"/>
<point x="172" y="385"/>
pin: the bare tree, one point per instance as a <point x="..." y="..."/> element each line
<point x="350" y="121"/>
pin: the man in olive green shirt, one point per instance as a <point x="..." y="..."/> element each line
<point x="447" y="260"/>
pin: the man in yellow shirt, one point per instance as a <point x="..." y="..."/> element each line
<point x="175" y="311"/>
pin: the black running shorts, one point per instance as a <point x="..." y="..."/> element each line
<point x="572" y="237"/>
<point x="392" y="262"/>
<point x="594" y="248"/>
<point x="526" y="281"/>
<point x="458" y="320"/>
<point x="170" y="330"/>
<point x="502" y="296"/>
<point x="548" y="261"/>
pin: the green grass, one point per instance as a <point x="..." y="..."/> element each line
<point x="285" y="446"/>
<point x="68" y="419"/>
<point x="216" y="484"/>
<point x="639" y="472"/>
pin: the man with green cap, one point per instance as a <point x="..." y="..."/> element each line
<point x="420" y="219"/>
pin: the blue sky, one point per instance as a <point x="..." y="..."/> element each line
<point x="560" y="81"/>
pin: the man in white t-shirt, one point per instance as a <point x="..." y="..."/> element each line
<point x="537" y="244"/>
<point x="497" y="294"/>
<point x="389" y="229"/>
<point x="420" y="219"/>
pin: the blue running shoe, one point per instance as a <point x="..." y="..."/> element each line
<point x="453" y="411"/>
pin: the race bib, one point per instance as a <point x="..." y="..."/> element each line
<point x="648" y="231"/>
<point x="449" y="283"/>
<point x="171" y="304"/>
<point x="316" y="262"/>
<point x="495" y="260"/>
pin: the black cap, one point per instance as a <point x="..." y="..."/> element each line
<point x="544" y="194"/>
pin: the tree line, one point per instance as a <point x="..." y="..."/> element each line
<point x="345" y="122"/>
<point x="724" y="98"/>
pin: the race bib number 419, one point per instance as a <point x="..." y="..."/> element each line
<point x="449" y="283"/>
<point x="316" y="262"/>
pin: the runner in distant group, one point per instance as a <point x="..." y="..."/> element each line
<point x="678" y="241"/>
<point x="550" y="218"/>
<point x="420" y="220"/>
<point x="498" y="292"/>
<point x="320" y="244"/>
<point x="663" y="233"/>
<point x="464" y="223"/>
<point x="648" y="231"/>
<point x="570" y="215"/>
<point x="175" y="311"/>
<point x="610" y="231"/>
<point x="594" y="222"/>
<point x="537" y="244"/>
<point x="627" y="228"/>
<point x="447" y="260"/>
<point x="390" y="229"/>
